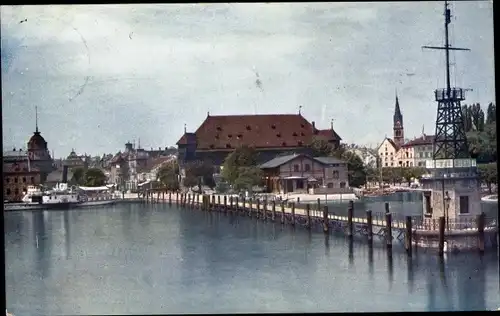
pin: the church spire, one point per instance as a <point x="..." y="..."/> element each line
<point x="398" y="117"/>
<point x="36" y="119"/>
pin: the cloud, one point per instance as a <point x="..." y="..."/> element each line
<point x="104" y="74"/>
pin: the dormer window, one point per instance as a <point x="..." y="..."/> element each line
<point x="212" y="146"/>
<point x="273" y="126"/>
<point x="283" y="143"/>
<point x="249" y="127"/>
<point x="278" y="135"/>
<point x="219" y="128"/>
<point x="229" y="136"/>
<point x="302" y="134"/>
<point x="302" y="125"/>
<point x="216" y="136"/>
<point x="300" y="143"/>
<point x="239" y="136"/>
<point x="294" y="134"/>
<point x="228" y="145"/>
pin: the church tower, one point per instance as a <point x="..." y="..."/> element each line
<point x="399" y="135"/>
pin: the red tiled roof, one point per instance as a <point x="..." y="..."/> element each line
<point x="329" y="134"/>
<point x="422" y="140"/>
<point x="259" y="131"/>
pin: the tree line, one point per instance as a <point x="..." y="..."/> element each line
<point x="481" y="132"/>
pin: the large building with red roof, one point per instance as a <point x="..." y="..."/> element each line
<point x="269" y="134"/>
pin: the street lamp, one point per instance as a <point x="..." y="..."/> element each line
<point x="447" y="200"/>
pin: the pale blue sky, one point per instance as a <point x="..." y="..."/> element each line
<point x="105" y="74"/>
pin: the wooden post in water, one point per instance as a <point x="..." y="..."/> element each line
<point x="169" y="198"/>
<point x="326" y="220"/>
<point x="189" y="200"/>
<point x="244" y="205"/>
<point x="250" y="207"/>
<point x="293" y="213"/>
<point x="386" y="207"/>
<point x="177" y="198"/>
<point x="318" y="206"/>
<point x="480" y="232"/>
<point x="264" y="209"/>
<point x="225" y="203"/>
<point x="218" y="203"/>
<point x="441" y="236"/>
<point x="388" y="228"/>
<point x="308" y="216"/>
<point x="163" y="196"/>
<point x="213" y="203"/>
<point x="282" y="212"/>
<point x="350" y="211"/>
<point x="231" y="202"/>
<point x="408" y="235"/>
<point x="258" y="208"/>
<point x="273" y="211"/>
<point x="198" y="201"/>
<point x="236" y="204"/>
<point x="369" y="224"/>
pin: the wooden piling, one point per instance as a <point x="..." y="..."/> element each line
<point x="350" y="211"/>
<point x="282" y="212"/>
<point x="408" y="235"/>
<point x="244" y="205"/>
<point x="264" y="209"/>
<point x="163" y="196"/>
<point x="250" y="207"/>
<point x="225" y="203"/>
<point x="326" y="220"/>
<point x="231" y="202"/>
<point x="318" y="206"/>
<point x="388" y="228"/>
<point x="218" y="203"/>
<point x="369" y="224"/>
<point x="293" y="213"/>
<point x="177" y="198"/>
<point x="480" y="232"/>
<point x="441" y="236"/>
<point x="236" y="204"/>
<point x="273" y="211"/>
<point x="386" y="207"/>
<point x="169" y="198"/>
<point x="198" y="200"/>
<point x="308" y="216"/>
<point x="189" y="201"/>
<point x="258" y="209"/>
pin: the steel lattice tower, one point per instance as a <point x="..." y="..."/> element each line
<point x="450" y="138"/>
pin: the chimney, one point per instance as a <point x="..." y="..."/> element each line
<point x="314" y="125"/>
<point x="65" y="174"/>
<point x="159" y="148"/>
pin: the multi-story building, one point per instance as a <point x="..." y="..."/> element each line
<point x="17" y="175"/>
<point x="421" y="148"/>
<point x="74" y="161"/>
<point x="270" y="135"/>
<point x="367" y="155"/>
<point x="306" y="174"/>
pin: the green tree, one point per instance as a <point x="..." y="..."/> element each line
<point x="78" y="176"/>
<point x="94" y="178"/>
<point x="491" y="113"/>
<point x="322" y="148"/>
<point x="240" y="168"/>
<point x="198" y="173"/>
<point x="488" y="174"/>
<point x="168" y="176"/>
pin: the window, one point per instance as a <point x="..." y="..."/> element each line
<point x="330" y="185"/>
<point x="296" y="168"/>
<point x="300" y="184"/>
<point x="8" y="191"/>
<point x="342" y="184"/>
<point x="15" y="179"/>
<point x="307" y="167"/>
<point x="16" y="191"/>
<point x="392" y="164"/>
<point x="464" y="204"/>
<point x="273" y="126"/>
<point x="386" y="164"/>
<point x="25" y="190"/>
<point x="7" y="179"/>
<point x="392" y="154"/>
<point x="24" y="179"/>
<point x="335" y="174"/>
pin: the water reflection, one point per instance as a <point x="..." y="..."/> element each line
<point x="200" y="262"/>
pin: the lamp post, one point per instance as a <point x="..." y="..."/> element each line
<point x="447" y="200"/>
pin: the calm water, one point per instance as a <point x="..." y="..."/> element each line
<point x="142" y="259"/>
